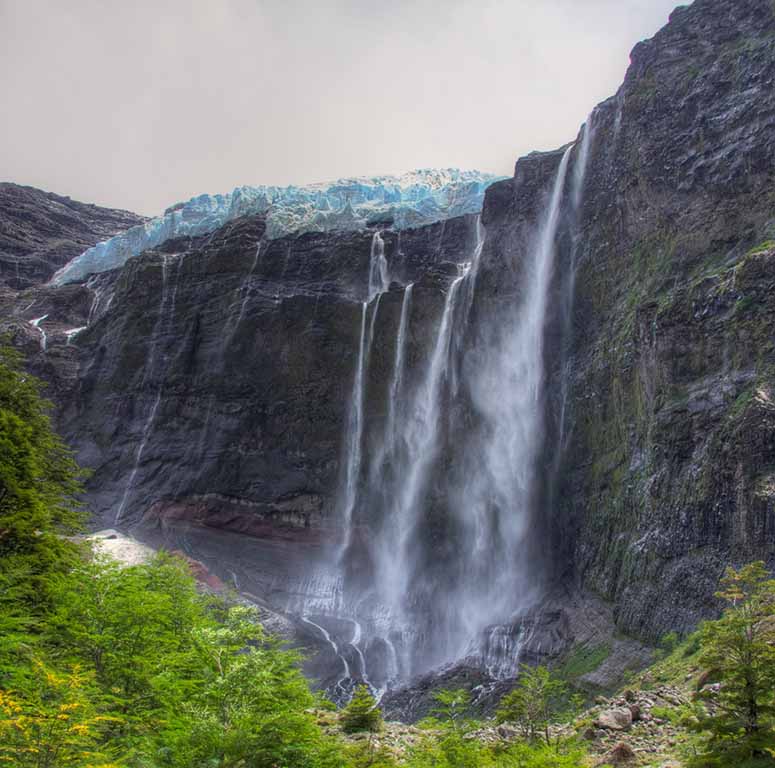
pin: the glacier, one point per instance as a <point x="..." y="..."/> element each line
<point x="409" y="200"/>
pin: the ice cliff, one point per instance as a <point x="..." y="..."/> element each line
<point x="415" y="198"/>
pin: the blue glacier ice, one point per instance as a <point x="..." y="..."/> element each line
<point x="412" y="199"/>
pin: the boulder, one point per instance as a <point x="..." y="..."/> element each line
<point x="619" y="719"/>
<point x="621" y="754"/>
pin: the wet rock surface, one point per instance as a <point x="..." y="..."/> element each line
<point x="667" y="477"/>
<point x="41" y="231"/>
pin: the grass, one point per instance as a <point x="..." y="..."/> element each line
<point x="678" y="664"/>
<point x="583" y="660"/>
<point x="767" y="245"/>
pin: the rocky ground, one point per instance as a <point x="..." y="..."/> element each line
<point x="631" y="729"/>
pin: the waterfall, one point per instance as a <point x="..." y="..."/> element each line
<point x="162" y="323"/>
<point x="420" y="444"/>
<point x="496" y="494"/>
<point x="468" y="300"/>
<point x="379" y="281"/>
<point x="428" y="603"/>
<point x="388" y="444"/>
<point x="334" y="647"/>
<point x="354" y="438"/>
<point x="36" y="324"/>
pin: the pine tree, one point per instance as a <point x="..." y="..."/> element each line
<point x="362" y="713"/>
<point x="537" y="699"/>
<point x="739" y="649"/>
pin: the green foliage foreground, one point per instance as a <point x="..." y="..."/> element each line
<point x="103" y="666"/>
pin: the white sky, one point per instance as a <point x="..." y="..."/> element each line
<point x="143" y="103"/>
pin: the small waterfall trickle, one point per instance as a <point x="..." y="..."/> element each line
<point x="245" y="287"/>
<point x="576" y="198"/>
<point x="335" y="648"/>
<point x="36" y="325"/>
<point x="162" y="324"/>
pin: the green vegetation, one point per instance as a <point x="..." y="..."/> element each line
<point x="362" y="713"/>
<point x="538" y="700"/>
<point x="452" y="743"/>
<point x="103" y="666"/>
<point x="738" y="725"/>
<point x="730" y="666"/>
<point x="761" y="248"/>
<point x="583" y="660"/>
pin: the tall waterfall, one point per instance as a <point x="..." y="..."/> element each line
<point x="497" y="489"/>
<point x="379" y="282"/>
<point x="459" y="448"/>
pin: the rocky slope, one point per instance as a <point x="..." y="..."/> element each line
<point x="41" y="231"/>
<point x="210" y="389"/>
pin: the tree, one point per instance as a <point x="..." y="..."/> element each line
<point x="38" y="476"/>
<point x="451" y="708"/>
<point x="245" y="702"/>
<point x="739" y="648"/>
<point x="39" y="485"/>
<point x="362" y="713"/>
<point x="534" y="703"/>
<point x="56" y="726"/>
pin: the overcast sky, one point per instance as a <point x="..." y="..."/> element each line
<point x="140" y="104"/>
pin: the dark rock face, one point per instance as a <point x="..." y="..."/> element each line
<point x="668" y="474"/>
<point x="230" y="359"/>
<point x="41" y="231"/>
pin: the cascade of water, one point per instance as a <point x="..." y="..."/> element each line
<point x="420" y="438"/>
<point x="165" y="316"/>
<point x="379" y="280"/>
<point x="36" y="324"/>
<point x="335" y="648"/>
<point x="498" y="479"/>
<point x="379" y="283"/>
<point x="468" y="301"/>
<point x="388" y="444"/>
<point x="71" y="333"/>
<point x="355" y="642"/>
<point x="354" y="438"/>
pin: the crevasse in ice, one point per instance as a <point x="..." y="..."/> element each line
<point x="415" y="198"/>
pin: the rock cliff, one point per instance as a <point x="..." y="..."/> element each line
<point x="41" y="231"/>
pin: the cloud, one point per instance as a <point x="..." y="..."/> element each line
<point x="143" y="104"/>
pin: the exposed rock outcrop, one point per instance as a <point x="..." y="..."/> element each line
<point x="41" y="231"/>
